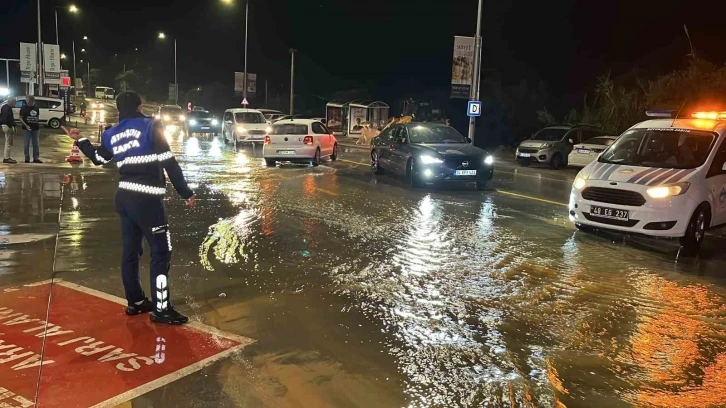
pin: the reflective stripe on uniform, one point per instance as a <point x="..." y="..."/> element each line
<point x="148" y="158"/>
<point x="141" y="188"/>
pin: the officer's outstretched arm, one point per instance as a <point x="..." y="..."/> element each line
<point x="167" y="159"/>
<point x="98" y="154"/>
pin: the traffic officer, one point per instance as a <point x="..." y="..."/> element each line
<point x="140" y="150"/>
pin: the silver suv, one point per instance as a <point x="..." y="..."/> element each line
<point x="551" y="145"/>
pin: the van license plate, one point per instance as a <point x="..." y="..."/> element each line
<point x="583" y="151"/>
<point x="612" y="213"/>
<point x="465" y="173"/>
<point x="285" y="152"/>
<point x="524" y="155"/>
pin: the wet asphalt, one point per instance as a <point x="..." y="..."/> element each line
<point x="362" y="292"/>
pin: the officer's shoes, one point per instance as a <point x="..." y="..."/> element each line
<point x="144" y="307"/>
<point x="169" y="316"/>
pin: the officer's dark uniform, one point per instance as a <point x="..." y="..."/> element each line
<point x="141" y="152"/>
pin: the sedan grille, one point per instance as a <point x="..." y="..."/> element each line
<point x="613" y="196"/>
<point x="527" y="150"/>
<point x="458" y="163"/>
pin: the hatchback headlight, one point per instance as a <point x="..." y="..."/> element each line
<point x="668" y="190"/>
<point x="431" y="160"/>
<point x="579" y="183"/>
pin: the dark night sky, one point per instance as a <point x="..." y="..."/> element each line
<point x="389" y="46"/>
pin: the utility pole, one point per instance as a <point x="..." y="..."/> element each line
<point x="244" y="80"/>
<point x="89" y="80"/>
<point x="176" y="84"/>
<point x="40" y="56"/>
<point x="265" y="93"/>
<point x="476" y="75"/>
<point x="292" y="81"/>
<point x="75" y="73"/>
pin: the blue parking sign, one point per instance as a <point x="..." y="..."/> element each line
<point x="474" y="108"/>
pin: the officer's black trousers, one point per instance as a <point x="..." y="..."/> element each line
<point x="144" y="216"/>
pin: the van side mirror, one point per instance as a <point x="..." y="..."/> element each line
<point x="570" y="141"/>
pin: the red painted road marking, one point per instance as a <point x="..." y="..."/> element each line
<point x="95" y="355"/>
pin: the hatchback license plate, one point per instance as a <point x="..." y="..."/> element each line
<point x="465" y="173"/>
<point x="612" y="213"/>
<point x="285" y="152"/>
<point x="583" y="151"/>
<point x="524" y="155"/>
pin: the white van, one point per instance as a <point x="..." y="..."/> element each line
<point x="244" y="126"/>
<point x="661" y="178"/>
<point x="52" y="110"/>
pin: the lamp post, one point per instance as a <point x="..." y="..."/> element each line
<point x="476" y="77"/>
<point x="247" y="14"/>
<point x="176" y="84"/>
<point x="292" y="81"/>
<point x="72" y="9"/>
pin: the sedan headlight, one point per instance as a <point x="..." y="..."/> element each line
<point x="579" y="183"/>
<point x="215" y="122"/>
<point x="489" y="160"/>
<point x="668" y="190"/>
<point x="192" y="122"/>
<point x="431" y="160"/>
<point x="241" y="129"/>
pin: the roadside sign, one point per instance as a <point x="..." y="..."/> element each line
<point x="122" y="356"/>
<point x="474" y="108"/>
<point x="244" y="102"/>
<point x="66" y="82"/>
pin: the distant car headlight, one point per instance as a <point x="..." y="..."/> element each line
<point x="182" y="117"/>
<point x="167" y="117"/>
<point x="192" y="122"/>
<point x="215" y="122"/>
<point x="268" y="129"/>
<point x="579" y="183"/>
<point x="241" y="129"/>
<point x="668" y="190"/>
<point x="431" y="160"/>
<point x="489" y="160"/>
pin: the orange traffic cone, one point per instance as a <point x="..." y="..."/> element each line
<point x="75" y="156"/>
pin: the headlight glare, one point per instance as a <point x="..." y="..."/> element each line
<point x="431" y="160"/>
<point x="489" y="160"/>
<point x="579" y="183"/>
<point x="668" y="190"/>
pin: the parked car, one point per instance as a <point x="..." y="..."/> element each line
<point x="52" y="110"/>
<point x="552" y="145"/>
<point x="430" y="153"/>
<point x="582" y="154"/>
<point x="241" y="125"/>
<point x="299" y="141"/>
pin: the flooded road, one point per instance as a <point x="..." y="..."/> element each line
<point x="361" y="292"/>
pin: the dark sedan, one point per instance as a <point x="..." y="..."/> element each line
<point x="201" y="121"/>
<point x="430" y="153"/>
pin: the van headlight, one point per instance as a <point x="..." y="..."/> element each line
<point x="579" y="183"/>
<point x="489" y="160"/>
<point x="241" y="129"/>
<point x="668" y="190"/>
<point x="431" y="160"/>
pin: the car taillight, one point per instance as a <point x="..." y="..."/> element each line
<point x="267" y="140"/>
<point x="308" y="140"/>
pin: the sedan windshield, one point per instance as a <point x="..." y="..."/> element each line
<point x="249" y="117"/>
<point x="665" y="148"/>
<point x="435" y="134"/>
<point x="199" y="115"/>
<point x="550" y="134"/>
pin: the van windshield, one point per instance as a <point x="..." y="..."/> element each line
<point x="550" y="134"/>
<point x="665" y="148"/>
<point x="249" y="117"/>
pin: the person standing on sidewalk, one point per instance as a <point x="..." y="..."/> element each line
<point x="7" y="128"/>
<point x="138" y="147"/>
<point x="29" y="115"/>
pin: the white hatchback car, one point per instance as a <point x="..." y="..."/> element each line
<point x="52" y="110"/>
<point x="661" y="178"/>
<point x="582" y="154"/>
<point x="244" y="126"/>
<point x="299" y="141"/>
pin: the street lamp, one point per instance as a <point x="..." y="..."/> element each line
<point x="162" y="36"/>
<point x="247" y="13"/>
<point x="72" y="8"/>
<point x="85" y="37"/>
<point x="63" y="56"/>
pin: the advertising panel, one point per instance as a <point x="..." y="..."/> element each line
<point x="462" y="69"/>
